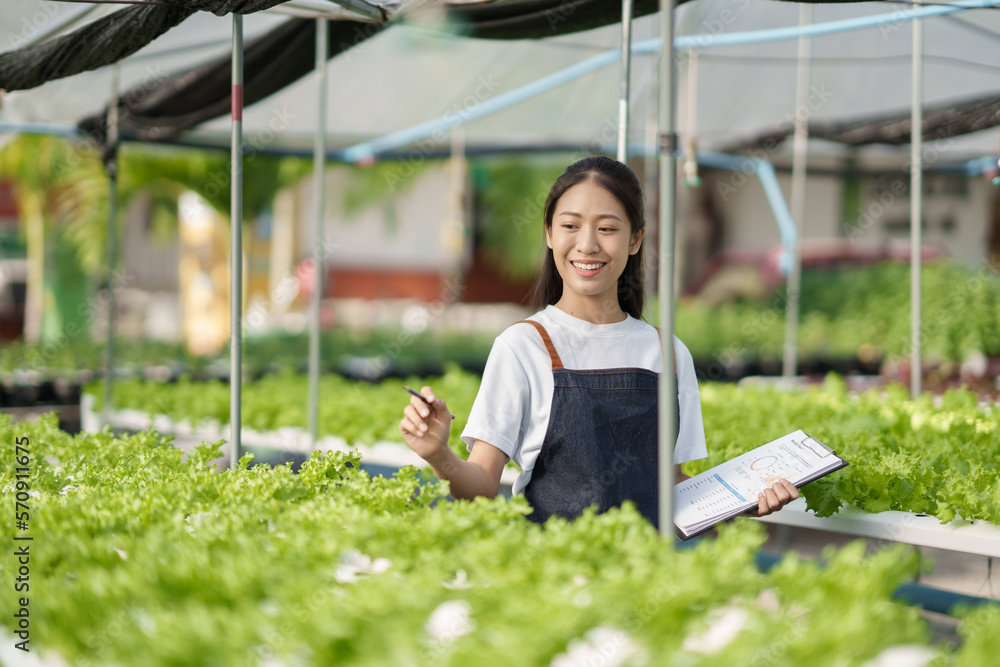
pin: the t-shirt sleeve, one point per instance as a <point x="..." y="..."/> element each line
<point x="503" y="405"/>
<point x="691" y="439"/>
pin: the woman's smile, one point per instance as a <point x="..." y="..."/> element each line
<point x="588" y="269"/>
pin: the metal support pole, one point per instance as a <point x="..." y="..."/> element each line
<point x="799" y="154"/>
<point x="111" y="168"/>
<point x="319" y="164"/>
<point x="236" y="252"/>
<point x="650" y="184"/>
<point x="691" y="179"/>
<point x="668" y="169"/>
<point x="916" y="203"/>
<point x="623" y="97"/>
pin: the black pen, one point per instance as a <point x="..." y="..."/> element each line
<point x="420" y="396"/>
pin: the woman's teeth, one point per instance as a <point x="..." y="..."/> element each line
<point x="587" y="267"/>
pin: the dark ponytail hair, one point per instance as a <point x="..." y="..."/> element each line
<point x="620" y="181"/>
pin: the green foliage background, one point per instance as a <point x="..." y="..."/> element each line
<point x="511" y="201"/>
<point x="143" y="557"/>
<point x="859" y="313"/>
<point x="936" y="457"/>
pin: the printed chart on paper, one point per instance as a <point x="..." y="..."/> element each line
<point x="730" y="486"/>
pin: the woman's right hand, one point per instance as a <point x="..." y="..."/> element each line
<point x="426" y="427"/>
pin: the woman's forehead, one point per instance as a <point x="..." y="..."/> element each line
<point x="589" y="197"/>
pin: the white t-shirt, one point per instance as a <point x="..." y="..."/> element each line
<point x="511" y="410"/>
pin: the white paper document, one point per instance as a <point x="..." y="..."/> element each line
<point x="731" y="488"/>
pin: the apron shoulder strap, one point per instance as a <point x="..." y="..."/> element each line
<point x="675" y="356"/>
<point x="553" y="355"/>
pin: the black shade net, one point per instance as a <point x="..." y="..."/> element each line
<point x="107" y="40"/>
<point x="160" y="109"/>
<point x="939" y="122"/>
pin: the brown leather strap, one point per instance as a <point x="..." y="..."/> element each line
<point x="553" y="355"/>
<point x="675" y="356"/>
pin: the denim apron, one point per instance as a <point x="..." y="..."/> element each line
<point x="600" y="447"/>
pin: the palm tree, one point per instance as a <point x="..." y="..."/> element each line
<point x="55" y="184"/>
<point x="62" y="195"/>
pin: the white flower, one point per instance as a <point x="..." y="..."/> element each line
<point x="449" y="621"/>
<point x="353" y="564"/>
<point x="601" y="645"/>
<point x="66" y="489"/>
<point x="121" y="553"/>
<point x="906" y="655"/>
<point x="723" y="628"/>
<point x="460" y="582"/>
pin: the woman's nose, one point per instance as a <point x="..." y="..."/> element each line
<point x="586" y="240"/>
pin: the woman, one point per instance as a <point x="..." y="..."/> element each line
<point x="570" y="394"/>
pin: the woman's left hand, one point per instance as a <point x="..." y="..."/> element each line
<point x="771" y="500"/>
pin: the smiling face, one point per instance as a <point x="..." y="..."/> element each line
<point x="591" y="239"/>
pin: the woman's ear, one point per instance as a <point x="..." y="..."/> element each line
<point x="636" y="241"/>
<point x="548" y="236"/>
